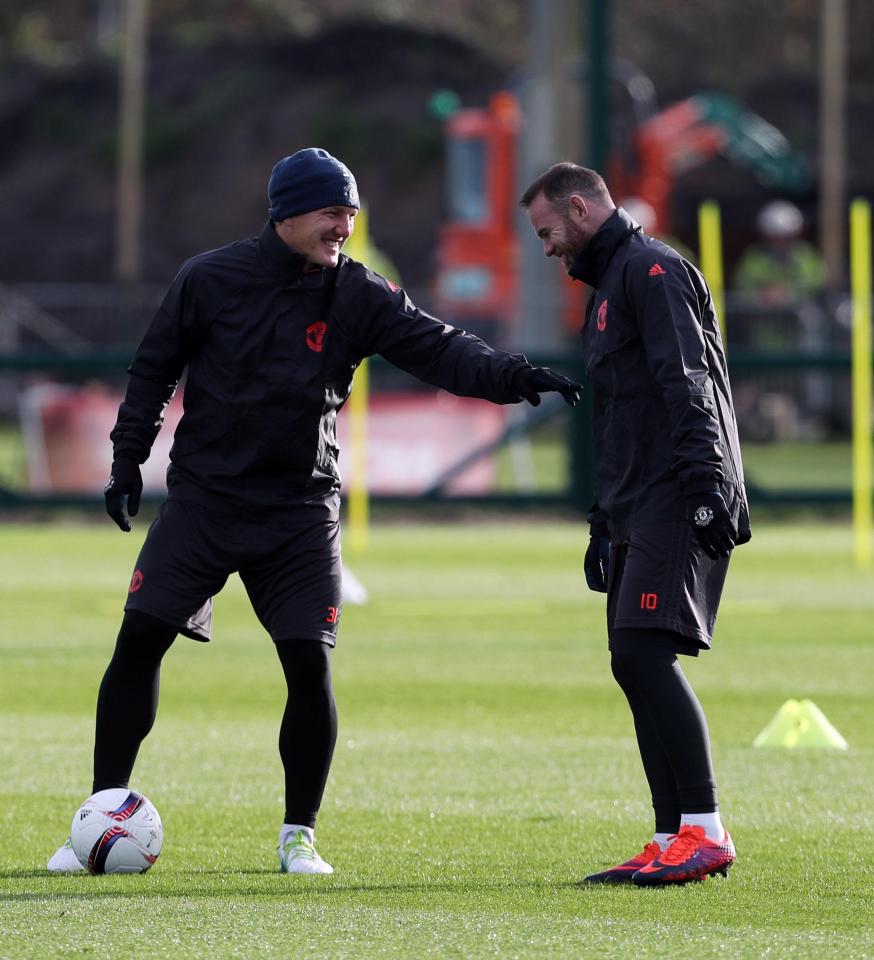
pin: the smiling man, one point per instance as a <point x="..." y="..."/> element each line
<point x="270" y="331"/>
<point x="313" y="176"/>
<point x="671" y="504"/>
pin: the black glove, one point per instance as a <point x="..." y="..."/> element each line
<point x="125" y="480"/>
<point x="711" y="522"/>
<point x="530" y="382"/>
<point x="596" y="563"/>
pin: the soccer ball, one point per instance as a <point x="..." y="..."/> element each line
<point x="117" y="831"/>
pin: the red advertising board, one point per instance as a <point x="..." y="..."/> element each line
<point x="412" y="439"/>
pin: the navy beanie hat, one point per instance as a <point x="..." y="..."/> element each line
<point x="309" y="180"/>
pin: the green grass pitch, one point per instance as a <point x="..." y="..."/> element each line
<point x="485" y="761"/>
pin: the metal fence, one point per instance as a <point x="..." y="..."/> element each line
<point x="790" y="371"/>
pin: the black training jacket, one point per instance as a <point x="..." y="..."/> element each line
<point x="270" y="352"/>
<point x="664" y="423"/>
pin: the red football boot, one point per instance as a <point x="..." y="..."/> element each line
<point x="691" y="856"/>
<point x="624" y="871"/>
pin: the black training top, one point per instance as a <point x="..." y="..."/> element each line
<point x="664" y="422"/>
<point x="270" y="352"/>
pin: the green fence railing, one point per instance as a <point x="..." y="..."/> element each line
<point x="576" y="494"/>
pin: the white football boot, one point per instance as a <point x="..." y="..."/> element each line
<point x="298" y="855"/>
<point x="63" y="860"/>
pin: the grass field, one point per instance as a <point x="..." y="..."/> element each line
<point x="485" y="761"/>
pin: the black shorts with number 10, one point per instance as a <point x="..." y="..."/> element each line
<point x="289" y="564"/>
<point x="661" y="578"/>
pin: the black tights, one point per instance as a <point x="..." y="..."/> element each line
<point x="128" y="699"/>
<point x="128" y="703"/>
<point x="309" y="727"/>
<point x="671" y="728"/>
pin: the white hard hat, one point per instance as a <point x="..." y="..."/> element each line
<point x="780" y="218"/>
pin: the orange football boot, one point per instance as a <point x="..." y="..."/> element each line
<point x="690" y="856"/>
<point x="623" y="872"/>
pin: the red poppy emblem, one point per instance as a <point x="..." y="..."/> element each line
<point x="136" y="581"/>
<point x="316" y="336"/>
<point x="602" y="317"/>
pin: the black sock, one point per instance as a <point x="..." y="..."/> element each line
<point x="309" y="727"/>
<point x="128" y="699"/>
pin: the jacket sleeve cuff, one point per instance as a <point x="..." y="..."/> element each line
<point x="597" y="522"/>
<point x="695" y="487"/>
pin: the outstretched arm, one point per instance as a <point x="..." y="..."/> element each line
<point x="448" y="357"/>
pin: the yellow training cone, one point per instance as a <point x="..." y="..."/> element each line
<point x="800" y="723"/>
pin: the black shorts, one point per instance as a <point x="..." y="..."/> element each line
<point x="289" y="565"/>
<point x="661" y="578"/>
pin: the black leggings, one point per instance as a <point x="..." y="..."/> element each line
<point x="671" y="728"/>
<point x="128" y="703"/>
<point x="309" y="727"/>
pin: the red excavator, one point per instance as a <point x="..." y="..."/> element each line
<point x="477" y="273"/>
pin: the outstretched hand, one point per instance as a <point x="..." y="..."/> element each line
<point x="125" y="481"/>
<point x="530" y="382"/>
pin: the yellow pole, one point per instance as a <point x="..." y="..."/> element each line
<point x="358" y="500"/>
<point x="710" y="246"/>
<point x="860" y="284"/>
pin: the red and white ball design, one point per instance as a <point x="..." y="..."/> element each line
<point x="117" y="831"/>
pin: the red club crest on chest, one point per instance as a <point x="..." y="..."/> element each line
<point x="602" y="317"/>
<point x="316" y="336"/>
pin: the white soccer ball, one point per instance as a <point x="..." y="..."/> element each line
<point x="117" y="831"/>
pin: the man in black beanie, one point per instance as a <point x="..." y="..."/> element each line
<point x="270" y="330"/>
